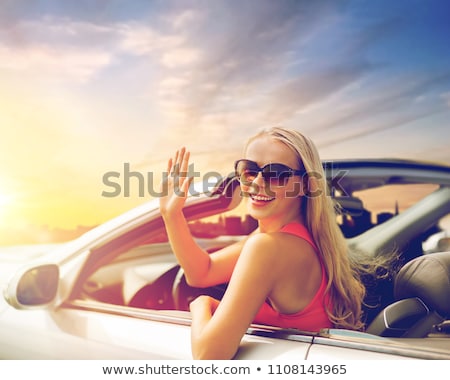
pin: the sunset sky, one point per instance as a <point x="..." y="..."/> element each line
<point x="87" y="86"/>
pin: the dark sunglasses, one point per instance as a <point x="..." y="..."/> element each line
<point x="273" y="174"/>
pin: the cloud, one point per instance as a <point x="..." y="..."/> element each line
<point x="386" y="105"/>
<point x="95" y="84"/>
<point x="311" y="87"/>
<point x="184" y="19"/>
<point x="56" y="48"/>
<point x="139" y="39"/>
<point x="226" y="61"/>
<point x="376" y="127"/>
<point x="70" y="64"/>
<point x="446" y="97"/>
<point x="240" y="53"/>
<point x="181" y="57"/>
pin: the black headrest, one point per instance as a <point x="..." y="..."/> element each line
<point x="428" y="278"/>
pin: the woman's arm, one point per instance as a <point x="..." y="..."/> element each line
<point x="201" y="269"/>
<point x="217" y="329"/>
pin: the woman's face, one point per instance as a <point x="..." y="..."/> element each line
<point x="268" y="203"/>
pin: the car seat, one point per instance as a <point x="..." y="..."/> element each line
<point x="422" y="294"/>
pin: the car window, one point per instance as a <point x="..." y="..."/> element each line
<point x="146" y="274"/>
<point x="380" y="204"/>
<point x="131" y="269"/>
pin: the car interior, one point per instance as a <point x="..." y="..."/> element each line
<point x="422" y="294"/>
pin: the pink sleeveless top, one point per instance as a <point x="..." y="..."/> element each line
<point x="313" y="317"/>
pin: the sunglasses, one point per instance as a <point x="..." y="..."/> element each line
<point x="273" y="174"/>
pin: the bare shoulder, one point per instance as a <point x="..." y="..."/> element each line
<point x="278" y="248"/>
<point x="268" y="248"/>
<point x="262" y="243"/>
<point x="258" y="265"/>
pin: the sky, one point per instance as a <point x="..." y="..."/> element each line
<point x="91" y="87"/>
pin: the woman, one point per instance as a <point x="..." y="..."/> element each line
<point x="292" y="272"/>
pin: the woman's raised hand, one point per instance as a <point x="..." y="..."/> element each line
<point x="175" y="184"/>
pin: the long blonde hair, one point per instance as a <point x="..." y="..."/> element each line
<point x="344" y="285"/>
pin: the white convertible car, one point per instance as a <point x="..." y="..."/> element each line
<point x="117" y="291"/>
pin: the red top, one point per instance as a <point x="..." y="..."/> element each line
<point x="313" y="317"/>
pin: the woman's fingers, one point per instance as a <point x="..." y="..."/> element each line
<point x="185" y="163"/>
<point x="180" y="163"/>
<point x="185" y="180"/>
<point x="175" y="183"/>
<point x="169" y="166"/>
<point x="185" y="186"/>
<point x="177" y="154"/>
<point x="178" y="172"/>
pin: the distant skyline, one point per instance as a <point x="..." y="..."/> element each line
<point x="87" y="86"/>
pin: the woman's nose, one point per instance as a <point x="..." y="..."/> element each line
<point x="259" y="180"/>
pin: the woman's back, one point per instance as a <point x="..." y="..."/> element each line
<point x="298" y="299"/>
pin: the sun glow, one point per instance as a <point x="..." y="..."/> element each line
<point x="5" y="199"/>
<point x="6" y="204"/>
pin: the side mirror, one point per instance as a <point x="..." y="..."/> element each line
<point x="33" y="287"/>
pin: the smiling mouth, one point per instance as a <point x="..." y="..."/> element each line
<point x="261" y="198"/>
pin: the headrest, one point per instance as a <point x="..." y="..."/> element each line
<point x="428" y="278"/>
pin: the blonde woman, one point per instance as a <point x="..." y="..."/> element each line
<point x="292" y="272"/>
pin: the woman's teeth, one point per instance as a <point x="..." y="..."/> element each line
<point x="262" y="198"/>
